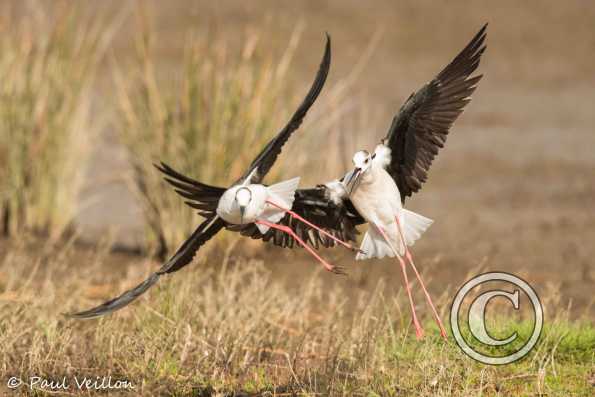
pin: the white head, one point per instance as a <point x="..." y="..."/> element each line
<point x="243" y="198"/>
<point x="362" y="162"/>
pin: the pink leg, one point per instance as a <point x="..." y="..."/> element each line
<point x="410" y="259"/>
<point x="419" y="332"/>
<point x="288" y="230"/>
<point x="343" y="243"/>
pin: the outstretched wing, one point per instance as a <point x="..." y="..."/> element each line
<point x="266" y="158"/>
<point x="198" y="195"/>
<point x="337" y="217"/>
<point x="183" y="256"/>
<point x="420" y="128"/>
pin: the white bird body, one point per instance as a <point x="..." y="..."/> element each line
<point x="229" y="209"/>
<point x="256" y="207"/>
<point x="376" y="197"/>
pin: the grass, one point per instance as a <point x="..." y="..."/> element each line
<point x="226" y="326"/>
<point x="47" y="67"/>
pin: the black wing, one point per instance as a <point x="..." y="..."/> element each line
<point x="265" y="160"/>
<point x="198" y="195"/>
<point x="181" y="258"/>
<point x="420" y="128"/>
<point x="337" y="217"/>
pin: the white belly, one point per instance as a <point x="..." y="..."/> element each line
<point x="377" y="198"/>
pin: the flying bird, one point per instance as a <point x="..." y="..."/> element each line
<point x="247" y="206"/>
<point x="380" y="181"/>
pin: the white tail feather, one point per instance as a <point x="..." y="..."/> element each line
<point x="375" y="246"/>
<point x="285" y="191"/>
<point x="413" y="226"/>
<point x="282" y="194"/>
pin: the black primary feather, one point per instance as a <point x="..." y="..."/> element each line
<point x="420" y="128"/>
<point x="183" y="256"/>
<point x="266" y="158"/>
<point x="200" y="196"/>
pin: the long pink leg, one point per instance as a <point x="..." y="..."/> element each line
<point x="339" y="241"/>
<point x="288" y="230"/>
<point x="423" y="287"/>
<point x="419" y="332"/>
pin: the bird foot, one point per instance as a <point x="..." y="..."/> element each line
<point x="419" y="332"/>
<point x="443" y="334"/>
<point x="337" y="270"/>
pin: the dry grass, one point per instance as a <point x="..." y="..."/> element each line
<point x="227" y="326"/>
<point x="47" y="67"/>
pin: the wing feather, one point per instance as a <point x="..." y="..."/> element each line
<point x="183" y="256"/>
<point x="266" y="158"/>
<point x="198" y="195"/>
<point x="338" y="219"/>
<point x="420" y="128"/>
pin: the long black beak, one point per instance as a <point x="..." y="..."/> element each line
<point x="352" y="179"/>
<point x="242" y="210"/>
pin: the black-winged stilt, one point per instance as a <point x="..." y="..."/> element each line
<point x="380" y="182"/>
<point x="247" y="204"/>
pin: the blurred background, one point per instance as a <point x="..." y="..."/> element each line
<point x="191" y="82"/>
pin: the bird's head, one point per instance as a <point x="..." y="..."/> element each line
<point x="243" y="198"/>
<point x="362" y="162"/>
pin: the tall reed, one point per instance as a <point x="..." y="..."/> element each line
<point x="48" y="61"/>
